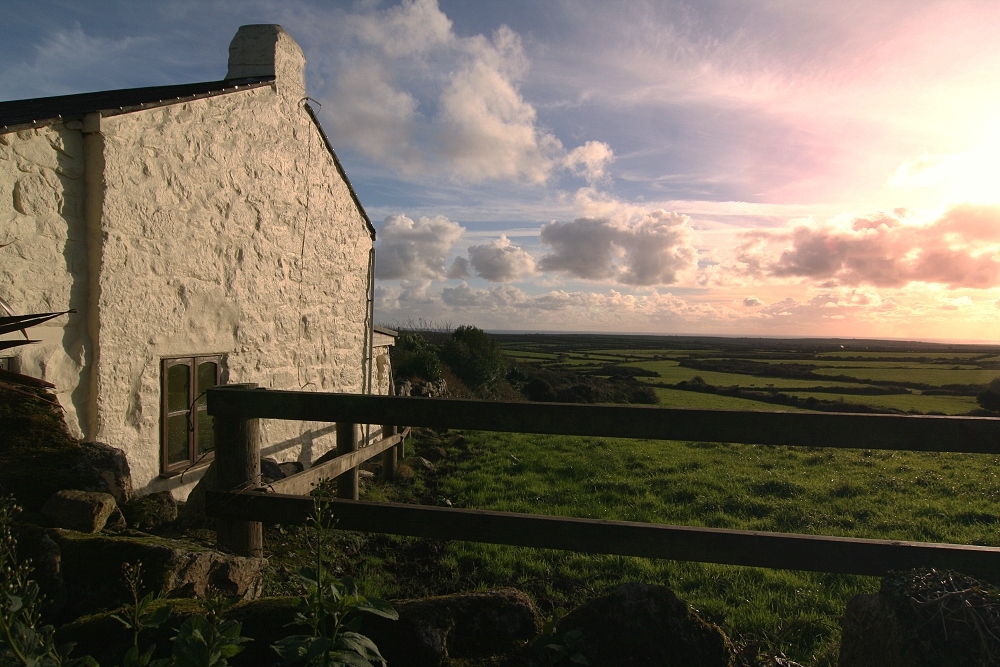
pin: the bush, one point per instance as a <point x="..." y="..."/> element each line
<point x="414" y="357"/>
<point x="990" y="399"/>
<point x="475" y="358"/>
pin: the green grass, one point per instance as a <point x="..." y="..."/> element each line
<point x="824" y="363"/>
<point x="670" y="372"/>
<point x="892" y="495"/>
<point x="949" y="405"/>
<point x="934" y="377"/>
<point x="678" y="398"/>
<point x="890" y="355"/>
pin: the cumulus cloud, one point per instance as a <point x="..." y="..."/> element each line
<point x="416" y="250"/>
<point x="959" y="249"/>
<point x="459" y="268"/>
<point x="500" y="262"/>
<point x="590" y="161"/>
<point x="413" y="95"/>
<point x="752" y="302"/>
<point x="653" y="249"/>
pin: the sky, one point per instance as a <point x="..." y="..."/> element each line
<point x="751" y="168"/>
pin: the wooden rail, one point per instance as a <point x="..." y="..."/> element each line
<point x="238" y="505"/>
<point x="816" y="553"/>
<point x="978" y="435"/>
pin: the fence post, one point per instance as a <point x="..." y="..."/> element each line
<point x="389" y="455"/>
<point x="237" y="468"/>
<point x="347" y="442"/>
<point x="401" y="447"/>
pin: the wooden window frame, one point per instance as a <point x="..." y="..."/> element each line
<point x="167" y="469"/>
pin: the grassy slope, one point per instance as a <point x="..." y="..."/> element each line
<point x="928" y="497"/>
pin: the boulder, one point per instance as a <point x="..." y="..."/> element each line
<point x="270" y="471"/>
<point x="642" y="624"/>
<point x="922" y="618"/>
<point x="470" y="626"/>
<point x="151" y="512"/>
<point x="85" y="511"/>
<point x="418" y="463"/>
<point x="34" y="544"/>
<point x="104" y="468"/>
<point x="290" y="468"/>
<point x="91" y="567"/>
<point x="433" y="454"/>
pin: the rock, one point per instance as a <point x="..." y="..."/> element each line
<point x="433" y="454"/>
<point x="458" y="442"/>
<point x="404" y="388"/>
<point x="85" y="511"/>
<point x="151" y="511"/>
<point x="193" y="509"/>
<point x="922" y="618"/>
<point x="455" y="627"/>
<point x="116" y="522"/>
<point x="92" y="569"/>
<point x="366" y="475"/>
<point x="291" y="468"/>
<point x="105" y="468"/>
<point x="642" y="624"/>
<point x="418" y="463"/>
<point x="270" y="471"/>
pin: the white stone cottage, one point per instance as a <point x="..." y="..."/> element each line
<point x="204" y="233"/>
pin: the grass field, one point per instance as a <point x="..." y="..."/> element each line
<point x="893" y="495"/>
<point x="936" y="377"/>
<point x="949" y="405"/>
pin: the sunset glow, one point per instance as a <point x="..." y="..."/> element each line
<point x="664" y="167"/>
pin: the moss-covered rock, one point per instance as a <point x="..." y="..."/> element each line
<point x="92" y="569"/>
<point x="150" y="512"/>
<point x="641" y="624"/>
<point x="923" y="618"/>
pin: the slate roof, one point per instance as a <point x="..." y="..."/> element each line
<point x="40" y="111"/>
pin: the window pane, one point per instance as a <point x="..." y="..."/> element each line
<point x="177" y="439"/>
<point x="178" y="387"/>
<point x="206" y="433"/>
<point x="207" y="372"/>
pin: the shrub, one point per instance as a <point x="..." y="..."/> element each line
<point x="414" y="357"/>
<point x="990" y="398"/>
<point x="475" y="358"/>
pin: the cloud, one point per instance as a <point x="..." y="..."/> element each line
<point x="752" y="302"/>
<point x="486" y="129"/>
<point x="501" y="262"/>
<point x="416" y="250"/>
<point x="651" y="250"/>
<point x="459" y="268"/>
<point x="412" y="28"/>
<point x="373" y="117"/>
<point x="959" y="249"/>
<point x="590" y="161"/>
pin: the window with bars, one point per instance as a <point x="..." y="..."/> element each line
<point x="187" y="435"/>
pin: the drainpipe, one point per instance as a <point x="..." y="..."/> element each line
<point x="370" y="334"/>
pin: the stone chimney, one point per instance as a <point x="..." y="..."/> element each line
<point x="266" y="49"/>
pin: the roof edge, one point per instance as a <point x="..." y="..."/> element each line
<point x="340" y="169"/>
<point x="77" y="111"/>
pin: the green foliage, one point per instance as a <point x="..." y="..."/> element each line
<point x="22" y="640"/>
<point x="139" y="617"/>
<point x="556" y="647"/>
<point x="476" y="358"/>
<point x="332" y="608"/>
<point x="990" y="398"/>
<point x="413" y="356"/>
<point x="207" y="640"/>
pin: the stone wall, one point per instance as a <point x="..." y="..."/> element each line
<point x="44" y="267"/>
<point x="226" y="229"/>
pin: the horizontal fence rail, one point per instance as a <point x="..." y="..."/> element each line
<point x="926" y="433"/>
<point x="816" y="553"/>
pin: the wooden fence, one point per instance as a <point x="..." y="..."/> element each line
<point x="240" y="504"/>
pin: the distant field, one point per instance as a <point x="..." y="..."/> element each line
<point x="670" y="372"/>
<point x="823" y="363"/>
<point x="949" y="405"/>
<point x="936" y="377"/>
<point x="677" y="398"/>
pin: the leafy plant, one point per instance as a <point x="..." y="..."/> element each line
<point x="475" y="357"/>
<point x="333" y="609"/>
<point x="207" y="640"/>
<point x="139" y="617"/>
<point x="22" y="641"/>
<point x="556" y="648"/>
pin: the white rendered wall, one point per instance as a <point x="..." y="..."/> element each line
<point x="226" y="229"/>
<point x="44" y="267"/>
